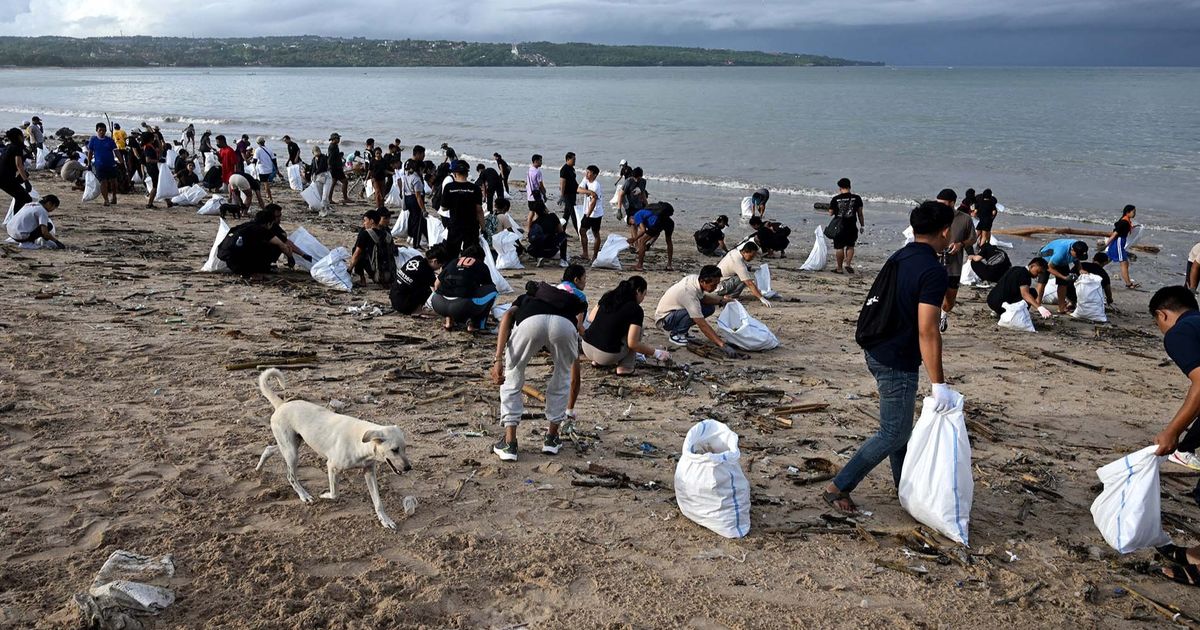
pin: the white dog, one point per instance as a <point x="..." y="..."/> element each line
<point x="344" y="442"/>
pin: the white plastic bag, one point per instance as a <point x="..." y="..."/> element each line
<point x="436" y="230"/>
<point x="308" y="244"/>
<point x="505" y="242"/>
<point x="40" y="162"/>
<point x="502" y="285"/>
<point x="214" y="264"/>
<point x="995" y="242"/>
<point x="710" y="487"/>
<point x="935" y="483"/>
<point x="369" y="190"/>
<point x="331" y="270"/>
<point x="295" y="177"/>
<point x="400" y="228"/>
<point x="1089" y="299"/>
<point x="909" y="237"/>
<point x="1050" y="296"/>
<point x="167" y="187"/>
<point x="968" y="277"/>
<point x="405" y="254"/>
<point x="738" y="328"/>
<point x="212" y="207"/>
<point x="1128" y="511"/>
<point x="12" y="205"/>
<point x="394" y="198"/>
<point x="762" y="278"/>
<point x="819" y="255"/>
<point x="610" y="253"/>
<point x="747" y="208"/>
<point x="312" y="196"/>
<point x="189" y="196"/>
<point x="91" y="186"/>
<point x="1016" y="316"/>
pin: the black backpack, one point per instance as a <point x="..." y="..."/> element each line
<point x="381" y="265"/>
<point x="234" y="243"/>
<point x="879" y="317"/>
<point x="708" y="236"/>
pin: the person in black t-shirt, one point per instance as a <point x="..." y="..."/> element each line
<point x="364" y="245"/>
<point x="546" y="235"/>
<point x="505" y="170"/>
<point x="847" y="207"/>
<point x="337" y="168"/>
<point x="381" y="172"/>
<point x="463" y="200"/>
<point x="253" y="246"/>
<point x="464" y="292"/>
<point x="568" y="189"/>
<point x="985" y="211"/>
<point x="710" y="238"/>
<point x="490" y="184"/>
<point x="293" y="150"/>
<point x="1117" y="243"/>
<point x="1016" y="285"/>
<point x="615" y="335"/>
<point x="415" y="279"/>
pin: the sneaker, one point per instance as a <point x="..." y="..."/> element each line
<point x="680" y="339"/>
<point x="562" y="262"/>
<point x="551" y="444"/>
<point x="1187" y="460"/>
<point x="506" y="451"/>
<point x="945" y="322"/>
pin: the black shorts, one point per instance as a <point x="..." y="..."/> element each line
<point x="338" y="175"/>
<point x="591" y="223"/>
<point x="664" y="225"/>
<point x="537" y="207"/>
<point x="952" y="282"/>
<point x="1044" y="277"/>
<point x="266" y="178"/>
<point x="847" y="238"/>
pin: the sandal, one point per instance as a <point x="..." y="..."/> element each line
<point x="1176" y="554"/>
<point x="1183" y="574"/>
<point x="832" y="499"/>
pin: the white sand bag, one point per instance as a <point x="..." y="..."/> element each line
<point x="498" y="310"/>
<point x="211" y="160"/>
<point x="170" y="156"/>
<point x="909" y="237"/>
<point x="819" y="255"/>
<point x="12" y="205"/>
<point x="400" y="227"/>
<point x="968" y="277"/>
<point x="308" y="244"/>
<point x="137" y="180"/>
<point x="331" y="270"/>
<point x="935" y="483"/>
<point x="312" y="196"/>
<point x="253" y="171"/>
<point x="747" y="208"/>
<point x="1135" y="235"/>
<point x="435" y="229"/>
<point x="738" y="328"/>
<point x="612" y="202"/>
<point x="1016" y="316"/>
<point x="610" y="253"/>
<point x="295" y="177"/>
<point x="502" y="285"/>
<point x="405" y="254"/>
<point x="189" y="196"/>
<point x="394" y="197"/>
<point x="1128" y="511"/>
<point x="214" y="264"/>
<point x="762" y="278"/>
<point x="710" y="487"/>
<point x="167" y="188"/>
<point x="40" y="162"/>
<point x="1089" y="299"/>
<point x="91" y="186"/>
<point x="505" y="243"/>
<point x="212" y="207"/>
<point x="369" y="189"/>
<point x="1050" y="296"/>
<point x="995" y="242"/>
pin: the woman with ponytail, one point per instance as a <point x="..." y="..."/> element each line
<point x="615" y="336"/>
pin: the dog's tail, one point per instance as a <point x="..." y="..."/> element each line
<point x="266" y="389"/>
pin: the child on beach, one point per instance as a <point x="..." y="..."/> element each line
<point x="1116" y="245"/>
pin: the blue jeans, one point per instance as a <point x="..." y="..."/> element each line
<point x="897" y="401"/>
<point x="678" y="322"/>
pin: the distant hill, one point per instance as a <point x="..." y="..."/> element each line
<point x="312" y="51"/>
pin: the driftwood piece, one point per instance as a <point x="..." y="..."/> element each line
<point x="902" y="568"/>
<point x="532" y="392"/>
<point x="305" y="359"/>
<point x="1170" y="611"/>
<point x="1066" y="359"/>
<point x="1016" y="597"/>
<point x="1033" y="231"/>
<point x="802" y="408"/>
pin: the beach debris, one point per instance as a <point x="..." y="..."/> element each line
<point x="532" y="392"/>
<point x="915" y="570"/>
<point x="597" y="476"/>
<point x="1168" y="610"/>
<point x="337" y="405"/>
<point x="813" y="470"/>
<point x="1023" y="596"/>
<point x="276" y="360"/>
<point x="1066" y="359"/>
<point x="122" y="597"/>
<point x="410" y="505"/>
<point x="365" y="311"/>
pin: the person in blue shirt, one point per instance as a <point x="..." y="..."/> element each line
<point x="102" y="156"/>
<point x="894" y="360"/>
<point x="1178" y="317"/>
<point x="1063" y="255"/>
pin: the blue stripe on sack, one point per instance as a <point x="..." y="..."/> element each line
<point x="737" y="511"/>
<point x="957" y="509"/>
<point x="480" y="301"/>
<point x="1121" y="510"/>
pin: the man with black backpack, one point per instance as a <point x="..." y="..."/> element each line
<point x="374" y="256"/>
<point x="253" y="246"/>
<point x="898" y="331"/>
<point x="710" y="238"/>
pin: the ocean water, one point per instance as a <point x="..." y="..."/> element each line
<point x="1057" y="146"/>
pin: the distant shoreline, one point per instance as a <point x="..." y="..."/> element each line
<point x="331" y="52"/>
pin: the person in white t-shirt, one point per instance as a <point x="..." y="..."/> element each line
<point x="32" y="222"/>
<point x="266" y="167"/>
<point x="590" y="210"/>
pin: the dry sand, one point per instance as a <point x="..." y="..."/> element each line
<point x="122" y="429"/>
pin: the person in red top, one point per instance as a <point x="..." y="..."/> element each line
<point x="229" y="159"/>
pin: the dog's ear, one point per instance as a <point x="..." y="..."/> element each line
<point x="373" y="435"/>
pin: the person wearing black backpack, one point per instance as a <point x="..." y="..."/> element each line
<point x="253" y="246"/>
<point x="374" y="255"/>
<point x="898" y="331"/>
<point x="710" y="238"/>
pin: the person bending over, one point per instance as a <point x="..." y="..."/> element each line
<point x="647" y="225"/>
<point x="687" y="303"/>
<point x="1016" y="286"/>
<point x="547" y="237"/>
<point x="736" y="276"/>
<point x="1096" y="267"/>
<point x="710" y="238"/>
<point x="415" y="278"/>
<point x="615" y="335"/>
<point x="251" y="248"/>
<point x="32" y="222"/>
<point x="464" y="292"/>
<point x="1063" y="256"/>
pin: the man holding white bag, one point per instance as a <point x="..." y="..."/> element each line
<point x="898" y="330"/>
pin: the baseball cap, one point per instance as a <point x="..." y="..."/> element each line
<point x="335" y="136"/>
<point x="624" y="163"/>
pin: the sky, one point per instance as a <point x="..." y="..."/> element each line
<point x="899" y="32"/>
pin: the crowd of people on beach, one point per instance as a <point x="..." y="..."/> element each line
<point x="900" y="325"/>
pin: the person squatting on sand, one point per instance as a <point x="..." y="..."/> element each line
<point x="688" y="303"/>
<point x="614" y="337"/>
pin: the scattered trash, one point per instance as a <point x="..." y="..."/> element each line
<point x="713" y="554"/>
<point x="337" y="405"/>
<point x="119" y="599"/>
<point x="366" y="310"/>
<point x="410" y="505"/>
<point x="1012" y="557"/>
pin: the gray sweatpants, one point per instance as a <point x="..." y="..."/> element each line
<point x="731" y="286"/>
<point x="555" y="334"/>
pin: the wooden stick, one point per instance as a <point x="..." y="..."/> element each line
<point x="802" y="408"/>
<point x="1066" y="359"/>
<point x="532" y="392"/>
<point x="250" y="365"/>
<point x="1169" y="611"/>
<point x="1019" y="596"/>
<point x="1023" y="513"/>
<point x="896" y="566"/>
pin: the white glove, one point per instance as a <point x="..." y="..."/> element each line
<point x="1044" y="312"/>
<point x="661" y="355"/>
<point x="765" y="302"/>
<point x="943" y="397"/>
